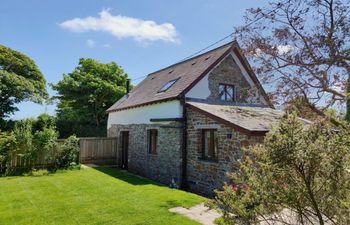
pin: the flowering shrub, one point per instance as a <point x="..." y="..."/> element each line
<point x="303" y="169"/>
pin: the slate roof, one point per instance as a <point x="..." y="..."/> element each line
<point x="188" y="73"/>
<point x="249" y="119"/>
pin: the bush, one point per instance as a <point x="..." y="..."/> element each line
<point x="45" y="145"/>
<point x="304" y="171"/>
<point x="24" y="140"/>
<point x="7" y="145"/>
<point x="68" y="154"/>
<point x="35" y="142"/>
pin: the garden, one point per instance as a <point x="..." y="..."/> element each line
<point x="33" y="144"/>
<point x="90" y="196"/>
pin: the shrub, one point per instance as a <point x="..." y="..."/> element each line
<point x="24" y="140"/>
<point x="35" y="142"/>
<point x="7" y="144"/>
<point x="301" y="170"/>
<point x="68" y="154"/>
<point x="45" y="142"/>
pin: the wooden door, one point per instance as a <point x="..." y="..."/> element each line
<point x="125" y="146"/>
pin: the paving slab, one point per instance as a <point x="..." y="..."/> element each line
<point x="199" y="213"/>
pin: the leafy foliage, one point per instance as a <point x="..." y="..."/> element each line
<point x="24" y="140"/>
<point x="68" y="154"/>
<point x="42" y="121"/>
<point x="85" y="94"/>
<point x="45" y="144"/>
<point x="20" y="80"/>
<point x="35" y="142"/>
<point x="7" y="144"/>
<point x="298" y="170"/>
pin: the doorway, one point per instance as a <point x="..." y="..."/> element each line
<point x="125" y="146"/>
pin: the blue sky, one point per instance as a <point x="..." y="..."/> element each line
<point x="150" y="34"/>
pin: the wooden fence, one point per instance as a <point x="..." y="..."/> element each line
<point x="96" y="150"/>
<point x="44" y="159"/>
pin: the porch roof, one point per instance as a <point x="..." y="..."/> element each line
<point x="252" y="120"/>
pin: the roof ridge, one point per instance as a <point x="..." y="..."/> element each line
<point x="197" y="56"/>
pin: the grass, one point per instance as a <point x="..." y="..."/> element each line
<point x="90" y="196"/>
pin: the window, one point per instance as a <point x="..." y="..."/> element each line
<point x="152" y="141"/>
<point x="168" y="85"/>
<point x="227" y="92"/>
<point x="210" y="144"/>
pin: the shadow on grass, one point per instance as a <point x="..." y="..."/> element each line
<point x="171" y="204"/>
<point x="125" y="176"/>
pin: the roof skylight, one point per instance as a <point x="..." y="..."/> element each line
<point x="168" y="85"/>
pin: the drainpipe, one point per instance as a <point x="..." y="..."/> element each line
<point x="184" y="145"/>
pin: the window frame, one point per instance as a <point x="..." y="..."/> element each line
<point x="215" y="144"/>
<point x="152" y="141"/>
<point x="173" y="81"/>
<point x="226" y="93"/>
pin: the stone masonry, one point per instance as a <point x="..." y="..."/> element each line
<point x="164" y="166"/>
<point x="228" y="72"/>
<point x="205" y="176"/>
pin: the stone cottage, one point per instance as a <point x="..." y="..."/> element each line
<point x="185" y="125"/>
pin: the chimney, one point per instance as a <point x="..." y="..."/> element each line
<point x="127" y="86"/>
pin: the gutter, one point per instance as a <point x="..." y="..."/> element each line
<point x="166" y="119"/>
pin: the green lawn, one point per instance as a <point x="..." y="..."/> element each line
<point x="90" y="196"/>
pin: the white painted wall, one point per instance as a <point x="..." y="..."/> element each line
<point x="200" y="90"/>
<point x="142" y="115"/>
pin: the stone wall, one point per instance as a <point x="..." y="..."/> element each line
<point x="166" y="164"/>
<point x="228" y="72"/>
<point x="205" y="176"/>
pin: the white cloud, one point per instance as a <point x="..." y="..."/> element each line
<point x="90" y="43"/>
<point x="282" y="49"/>
<point x="123" y="27"/>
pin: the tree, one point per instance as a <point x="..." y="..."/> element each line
<point x="299" y="175"/>
<point x="84" y="96"/>
<point x="43" y="121"/>
<point x="302" y="48"/>
<point x="20" y="80"/>
<point x="299" y="106"/>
